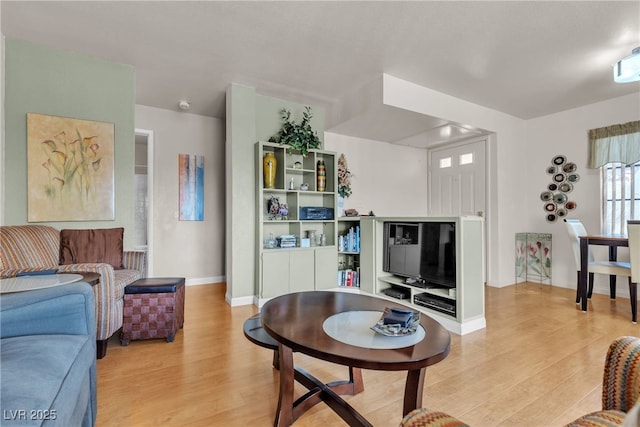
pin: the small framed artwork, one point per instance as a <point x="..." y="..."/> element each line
<point x="191" y="186"/>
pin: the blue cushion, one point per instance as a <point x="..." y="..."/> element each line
<point x="45" y="379"/>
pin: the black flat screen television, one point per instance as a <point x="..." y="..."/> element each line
<point x="423" y="252"/>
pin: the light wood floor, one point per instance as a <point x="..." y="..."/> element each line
<point x="539" y="362"/>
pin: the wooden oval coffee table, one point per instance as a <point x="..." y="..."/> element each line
<point x="296" y="321"/>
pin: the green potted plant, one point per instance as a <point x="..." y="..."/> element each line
<point x="299" y="136"/>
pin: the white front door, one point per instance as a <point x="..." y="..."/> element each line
<point x="457" y="179"/>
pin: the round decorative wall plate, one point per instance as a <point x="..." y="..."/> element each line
<point x="551" y="217"/>
<point x="552" y="169"/>
<point x="559" y="160"/>
<point x="550" y="207"/>
<point x="574" y="177"/>
<point x="566" y="187"/>
<point x="569" y="167"/>
<point x="546" y="196"/>
<point x="560" y="198"/>
<point x="553" y="186"/>
<point x="570" y="205"/>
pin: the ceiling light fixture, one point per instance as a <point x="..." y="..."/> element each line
<point x="184" y="105"/>
<point x="628" y="69"/>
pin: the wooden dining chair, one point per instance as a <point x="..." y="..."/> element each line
<point x="575" y="228"/>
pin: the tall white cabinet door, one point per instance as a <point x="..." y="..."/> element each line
<point x="325" y="275"/>
<point x="302" y="271"/>
<point x="275" y="273"/>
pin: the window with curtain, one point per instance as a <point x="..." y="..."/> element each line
<point x="616" y="151"/>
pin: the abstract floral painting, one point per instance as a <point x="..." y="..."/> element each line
<point x="70" y="169"/>
<point x="191" y="177"/>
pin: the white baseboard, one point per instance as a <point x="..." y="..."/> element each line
<point x="259" y="302"/>
<point x="204" y="280"/>
<point x="461" y="328"/>
<point x="235" y="302"/>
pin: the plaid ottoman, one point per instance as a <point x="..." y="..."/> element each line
<point x="153" y="308"/>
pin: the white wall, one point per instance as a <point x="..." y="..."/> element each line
<point x="190" y="249"/>
<point x="519" y="152"/>
<point x="566" y="133"/>
<point x="388" y="179"/>
<point x="506" y="212"/>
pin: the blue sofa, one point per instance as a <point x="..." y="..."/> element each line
<point x="48" y="357"/>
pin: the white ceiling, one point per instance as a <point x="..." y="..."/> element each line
<point x="527" y="59"/>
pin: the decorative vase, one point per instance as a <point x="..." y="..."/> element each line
<point x="269" y="165"/>
<point x="340" y="206"/>
<point x="322" y="176"/>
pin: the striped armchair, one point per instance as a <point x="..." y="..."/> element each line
<point x="620" y="393"/>
<point x="620" y="385"/>
<point x="25" y="248"/>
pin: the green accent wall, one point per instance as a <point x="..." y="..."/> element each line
<point x="251" y="117"/>
<point x="240" y="191"/>
<point x="42" y="80"/>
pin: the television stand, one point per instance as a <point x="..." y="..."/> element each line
<point x="459" y="307"/>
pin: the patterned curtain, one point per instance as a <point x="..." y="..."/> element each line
<point x="615" y="144"/>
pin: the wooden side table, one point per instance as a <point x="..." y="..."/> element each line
<point x="153" y="308"/>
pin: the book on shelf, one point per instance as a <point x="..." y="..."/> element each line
<point x="349" y="277"/>
<point x="350" y="242"/>
<point x="287" y="241"/>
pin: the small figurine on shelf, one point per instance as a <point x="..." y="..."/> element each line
<point x="283" y="211"/>
<point x="273" y="207"/>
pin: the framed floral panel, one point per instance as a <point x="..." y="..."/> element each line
<point x="533" y="257"/>
<point x="70" y="169"/>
